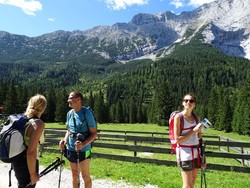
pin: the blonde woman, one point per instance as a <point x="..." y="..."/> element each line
<point x="26" y="169"/>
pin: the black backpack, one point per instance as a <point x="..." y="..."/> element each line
<point x="12" y="144"/>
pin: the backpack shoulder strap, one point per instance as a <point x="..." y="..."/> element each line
<point x="29" y="123"/>
<point x="84" y="115"/>
<point x="181" y="120"/>
<point x="74" y="119"/>
<point x="195" y="118"/>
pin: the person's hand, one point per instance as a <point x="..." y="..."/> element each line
<point x="34" y="178"/>
<point x="197" y="128"/>
<point x="78" y="145"/>
<point x="204" y="166"/>
<point x="62" y="145"/>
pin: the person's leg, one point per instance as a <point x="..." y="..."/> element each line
<point x="187" y="174"/>
<point x="195" y="172"/>
<point x="187" y="179"/>
<point x="74" y="171"/>
<point x="22" y="173"/>
<point x="84" y="166"/>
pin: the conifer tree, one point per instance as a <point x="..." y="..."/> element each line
<point x="162" y="103"/>
<point x="241" y="117"/>
<point x="11" y="104"/>
<point x="22" y="98"/>
<point x="112" y="113"/>
<point x="132" y="110"/>
<point x="237" y="115"/>
<point x="225" y="115"/>
<point x="245" y="106"/>
<point x="119" y="112"/>
<point x="212" y="106"/>
<point x="61" y="106"/>
<point x="139" y="115"/>
<point x="91" y="101"/>
<point x="51" y="105"/>
<point x="100" y="108"/>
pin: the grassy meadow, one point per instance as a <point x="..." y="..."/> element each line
<point x="160" y="175"/>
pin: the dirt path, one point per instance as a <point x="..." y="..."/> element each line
<point x="51" y="180"/>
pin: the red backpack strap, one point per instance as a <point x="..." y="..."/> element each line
<point x="195" y="118"/>
<point x="173" y="146"/>
<point x="181" y="121"/>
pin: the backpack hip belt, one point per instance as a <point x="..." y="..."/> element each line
<point x="74" y="135"/>
<point x="192" y="149"/>
<point x="187" y="146"/>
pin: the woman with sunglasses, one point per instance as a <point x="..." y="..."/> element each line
<point x="187" y="132"/>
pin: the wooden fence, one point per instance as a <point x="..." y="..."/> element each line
<point x="138" y="142"/>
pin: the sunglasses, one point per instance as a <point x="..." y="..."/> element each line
<point x="189" y="100"/>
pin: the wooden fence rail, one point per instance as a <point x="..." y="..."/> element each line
<point x="133" y="143"/>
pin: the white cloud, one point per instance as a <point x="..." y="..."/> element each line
<point x="197" y="3"/>
<point x="123" y="4"/>
<point x="177" y="3"/>
<point x="51" y="19"/>
<point x="28" y="7"/>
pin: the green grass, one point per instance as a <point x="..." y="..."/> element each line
<point x="160" y="175"/>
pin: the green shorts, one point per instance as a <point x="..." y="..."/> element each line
<point x="189" y="165"/>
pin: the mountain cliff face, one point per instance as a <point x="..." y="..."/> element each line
<point x="224" y="24"/>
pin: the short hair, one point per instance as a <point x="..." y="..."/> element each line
<point x="77" y="94"/>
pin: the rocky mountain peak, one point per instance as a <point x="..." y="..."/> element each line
<point x="223" y="23"/>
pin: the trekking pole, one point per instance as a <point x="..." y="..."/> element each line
<point x="78" y="168"/>
<point x="51" y="167"/>
<point x="60" y="171"/>
<point x="202" y="156"/>
<point x="203" y="176"/>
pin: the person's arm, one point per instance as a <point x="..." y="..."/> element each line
<point x="92" y="131"/>
<point x="63" y="142"/>
<point x="93" y="134"/>
<point x="36" y="130"/>
<point x="177" y="131"/>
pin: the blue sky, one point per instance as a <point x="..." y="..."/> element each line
<point x="37" y="17"/>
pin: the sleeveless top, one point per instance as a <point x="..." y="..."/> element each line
<point x="27" y="139"/>
<point x="187" y="150"/>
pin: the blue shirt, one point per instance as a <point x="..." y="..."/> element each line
<point x="81" y="125"/>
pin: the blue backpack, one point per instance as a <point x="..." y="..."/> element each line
<point x="12" y="144"/>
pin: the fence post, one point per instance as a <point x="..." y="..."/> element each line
<point x="135" y="153"/>
<point x="228" y="146"/>
<point x="219" y="140"/>
<point x="242" y="152"/>
<point x="125" y="140"/>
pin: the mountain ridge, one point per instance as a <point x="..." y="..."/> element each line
<point x="224" y="24"/>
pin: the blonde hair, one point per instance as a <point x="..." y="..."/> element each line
<point x="36" y="105"/>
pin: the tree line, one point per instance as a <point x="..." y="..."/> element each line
<point x="149" y="93"/>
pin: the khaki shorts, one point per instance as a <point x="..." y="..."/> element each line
<point x="189" y="165"/>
